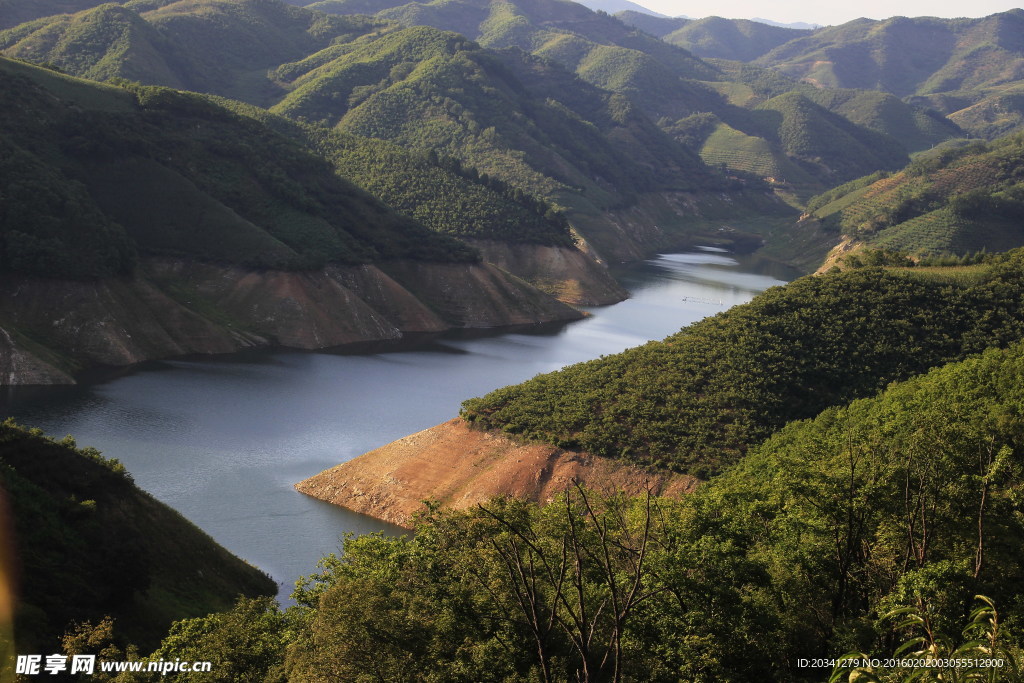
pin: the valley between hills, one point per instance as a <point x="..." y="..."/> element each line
<point x="834" y="466"/>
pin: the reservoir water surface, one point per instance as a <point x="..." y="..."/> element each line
<point x="223" y="439"/>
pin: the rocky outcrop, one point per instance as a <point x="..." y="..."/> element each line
<point x="111" y="322"/>
<point x="172" y="308"/>
<point x="477" y="295"/>
<point x="566" y="273"/>
<point x="303" y="310"/>
<point x="18" y="366"/>
<point x="460" y="467"/>
<point x="846" y="247"/>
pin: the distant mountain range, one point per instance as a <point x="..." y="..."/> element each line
<point x="795" y="24"/>
<point x="968" y="69"/>
<point x="972" y="70"/>
<point x="737" y="39"/>
<point x="614" y="6"/>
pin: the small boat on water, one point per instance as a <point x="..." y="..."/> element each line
<point x="703" y="300"/>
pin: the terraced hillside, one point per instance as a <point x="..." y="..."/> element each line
<point x="960" y="201"/>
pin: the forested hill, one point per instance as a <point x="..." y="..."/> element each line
<point x="439" y="191"/>
<point x="226" y="47"/>
<point x="162" y="223"/>
<point x="967" y="69"/>
<point x="698" y="399"/>
<point x="91" y="545"/>
<point x="223" y="47"/>
<point x="907" y="56"/>
<point x="955" y="201"/>
<point x="98" y="174"/>
<point x="498" y="118"/>
<point x="14" y="12"/>
<point x="524" y="121"/>
<point x="556" y="101"/>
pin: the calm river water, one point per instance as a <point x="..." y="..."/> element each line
<point x="223" y="439"/>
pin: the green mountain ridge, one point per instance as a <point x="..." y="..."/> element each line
<point x="440" y="193"/>
<point x="272" y="205"/>
<point x="607" y="54"/>
<point x="714" y="37"/>
<point x="474" y="124"/>
<point x="14" y="12"/>
<point x="345" y="84"/>
<point x="171" y="224"/>
<point x="601" y="151"/>
<point x="907" y="56"/>
<point x="952" y="65"/>
<point x="221" y="47"/>
<point x="915" y="127"/>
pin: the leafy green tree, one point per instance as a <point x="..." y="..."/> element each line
<point x="931" y="655"/>
<point x="245" y="644"/>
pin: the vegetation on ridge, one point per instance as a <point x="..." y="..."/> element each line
<point x="439" y="192"/>
<point x="698" y="399"/>
<point x="968" y="69"/>
<point x="90" y="544"/>
<point x="106" y="173"/>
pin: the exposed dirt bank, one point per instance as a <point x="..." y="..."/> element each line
<point x="52" y="329"/>
<point x="460" y="467"/>
<point x="568" y="274"/>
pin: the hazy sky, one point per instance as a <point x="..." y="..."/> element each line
<point x="827" y="13"/>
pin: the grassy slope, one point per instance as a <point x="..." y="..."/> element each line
<point x="91" y="544"/>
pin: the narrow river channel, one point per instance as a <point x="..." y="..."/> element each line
<point x="223" y="439"/>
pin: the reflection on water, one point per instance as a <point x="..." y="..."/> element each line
<point x="223" y="439"/>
